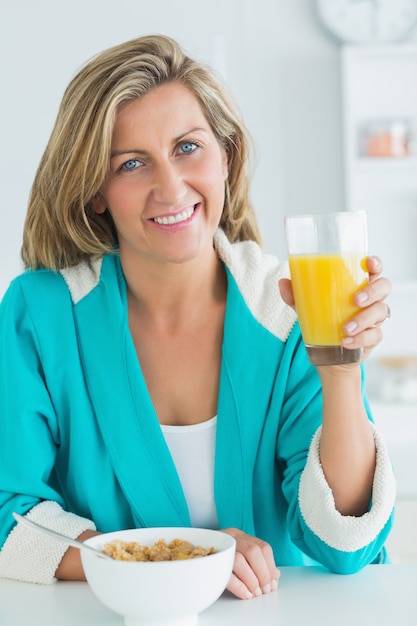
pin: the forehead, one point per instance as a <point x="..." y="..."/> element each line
<point x="171" y="104"/>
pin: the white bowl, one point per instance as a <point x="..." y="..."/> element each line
<point x="161" y="593"/>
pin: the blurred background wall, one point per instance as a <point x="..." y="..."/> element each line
<point x="281" y="67"/>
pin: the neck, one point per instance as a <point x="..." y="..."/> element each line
<point x="172" y="294"/>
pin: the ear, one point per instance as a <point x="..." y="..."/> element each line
<point x="98" y="205"/>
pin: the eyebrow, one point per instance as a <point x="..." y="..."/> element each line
<point x="117" y="153"/>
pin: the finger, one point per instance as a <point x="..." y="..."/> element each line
<point x="367" y="339"/>
<point x="374" y="265"/>
<point x="377" y="290"/>
<point x="255" y="566"/>
<point x="244" y="581"/>
<point x="372" y="316"/>
<point x="251" y="588"/>
<point x="286" y="291"/>
<point x="238" y="588"/>
<point x="261" y="559"/>
<point x="254" y="569"/>
<point x="388" y="314"/>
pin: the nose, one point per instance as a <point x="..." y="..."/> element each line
<point x="168" y="185"/>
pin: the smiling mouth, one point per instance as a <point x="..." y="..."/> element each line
<point x="175" y="219"/>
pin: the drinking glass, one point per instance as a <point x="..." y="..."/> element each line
<point x="327" y="258"/>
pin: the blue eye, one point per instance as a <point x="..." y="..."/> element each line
<point x="131" y="164"/>
<point x="188" y="146"/>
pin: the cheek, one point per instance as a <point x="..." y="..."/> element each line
<point x="213" y="175"/>
<point x="121" y="196"/>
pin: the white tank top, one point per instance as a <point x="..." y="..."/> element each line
<point x="192" y="449"/>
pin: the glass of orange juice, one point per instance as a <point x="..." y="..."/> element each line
<point x="327" y="258"/>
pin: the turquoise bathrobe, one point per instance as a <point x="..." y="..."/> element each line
<point x="77" y="424"/>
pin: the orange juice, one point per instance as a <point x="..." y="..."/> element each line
<point x="323" y="287"/>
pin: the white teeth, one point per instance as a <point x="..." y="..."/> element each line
<point x="175" y="219"/>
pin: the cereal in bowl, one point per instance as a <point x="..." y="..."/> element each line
<point x="176" y="550"/>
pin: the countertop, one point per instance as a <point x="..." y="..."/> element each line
<point x="378" y="595"/>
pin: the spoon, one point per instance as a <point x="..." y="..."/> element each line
<point x="52" y="533"/>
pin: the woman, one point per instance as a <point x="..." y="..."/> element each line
<point x="151" y="372"/>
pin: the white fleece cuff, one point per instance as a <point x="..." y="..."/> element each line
<point x="31" y="557"/>
<point x="345" y="532"/>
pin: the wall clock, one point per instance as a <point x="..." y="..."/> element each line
<point x="368" y="21"/>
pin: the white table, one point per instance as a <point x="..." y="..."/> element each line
<point x="379" y="595"/>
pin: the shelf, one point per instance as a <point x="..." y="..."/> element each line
<point x="390" y="163"/>
<point x="399" y="174"/>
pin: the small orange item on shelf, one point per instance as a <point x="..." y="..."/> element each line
<point x="386" y="139"/>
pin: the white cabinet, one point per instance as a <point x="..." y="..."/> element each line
<point x="379" y="86"/>
<point x="379" y="94"/>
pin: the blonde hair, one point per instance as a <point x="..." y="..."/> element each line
<point x="61" y="229"/>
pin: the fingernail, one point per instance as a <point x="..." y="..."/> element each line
<point x="248" y="595"/>
<point x="267" y="589"/>
<point x="257" y="592"/>
<point x="361" y="297"/>
<point x="274" y="584"/>
<point x="350" y="327"/>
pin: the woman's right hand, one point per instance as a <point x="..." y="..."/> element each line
<point x="254" y="571"/>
